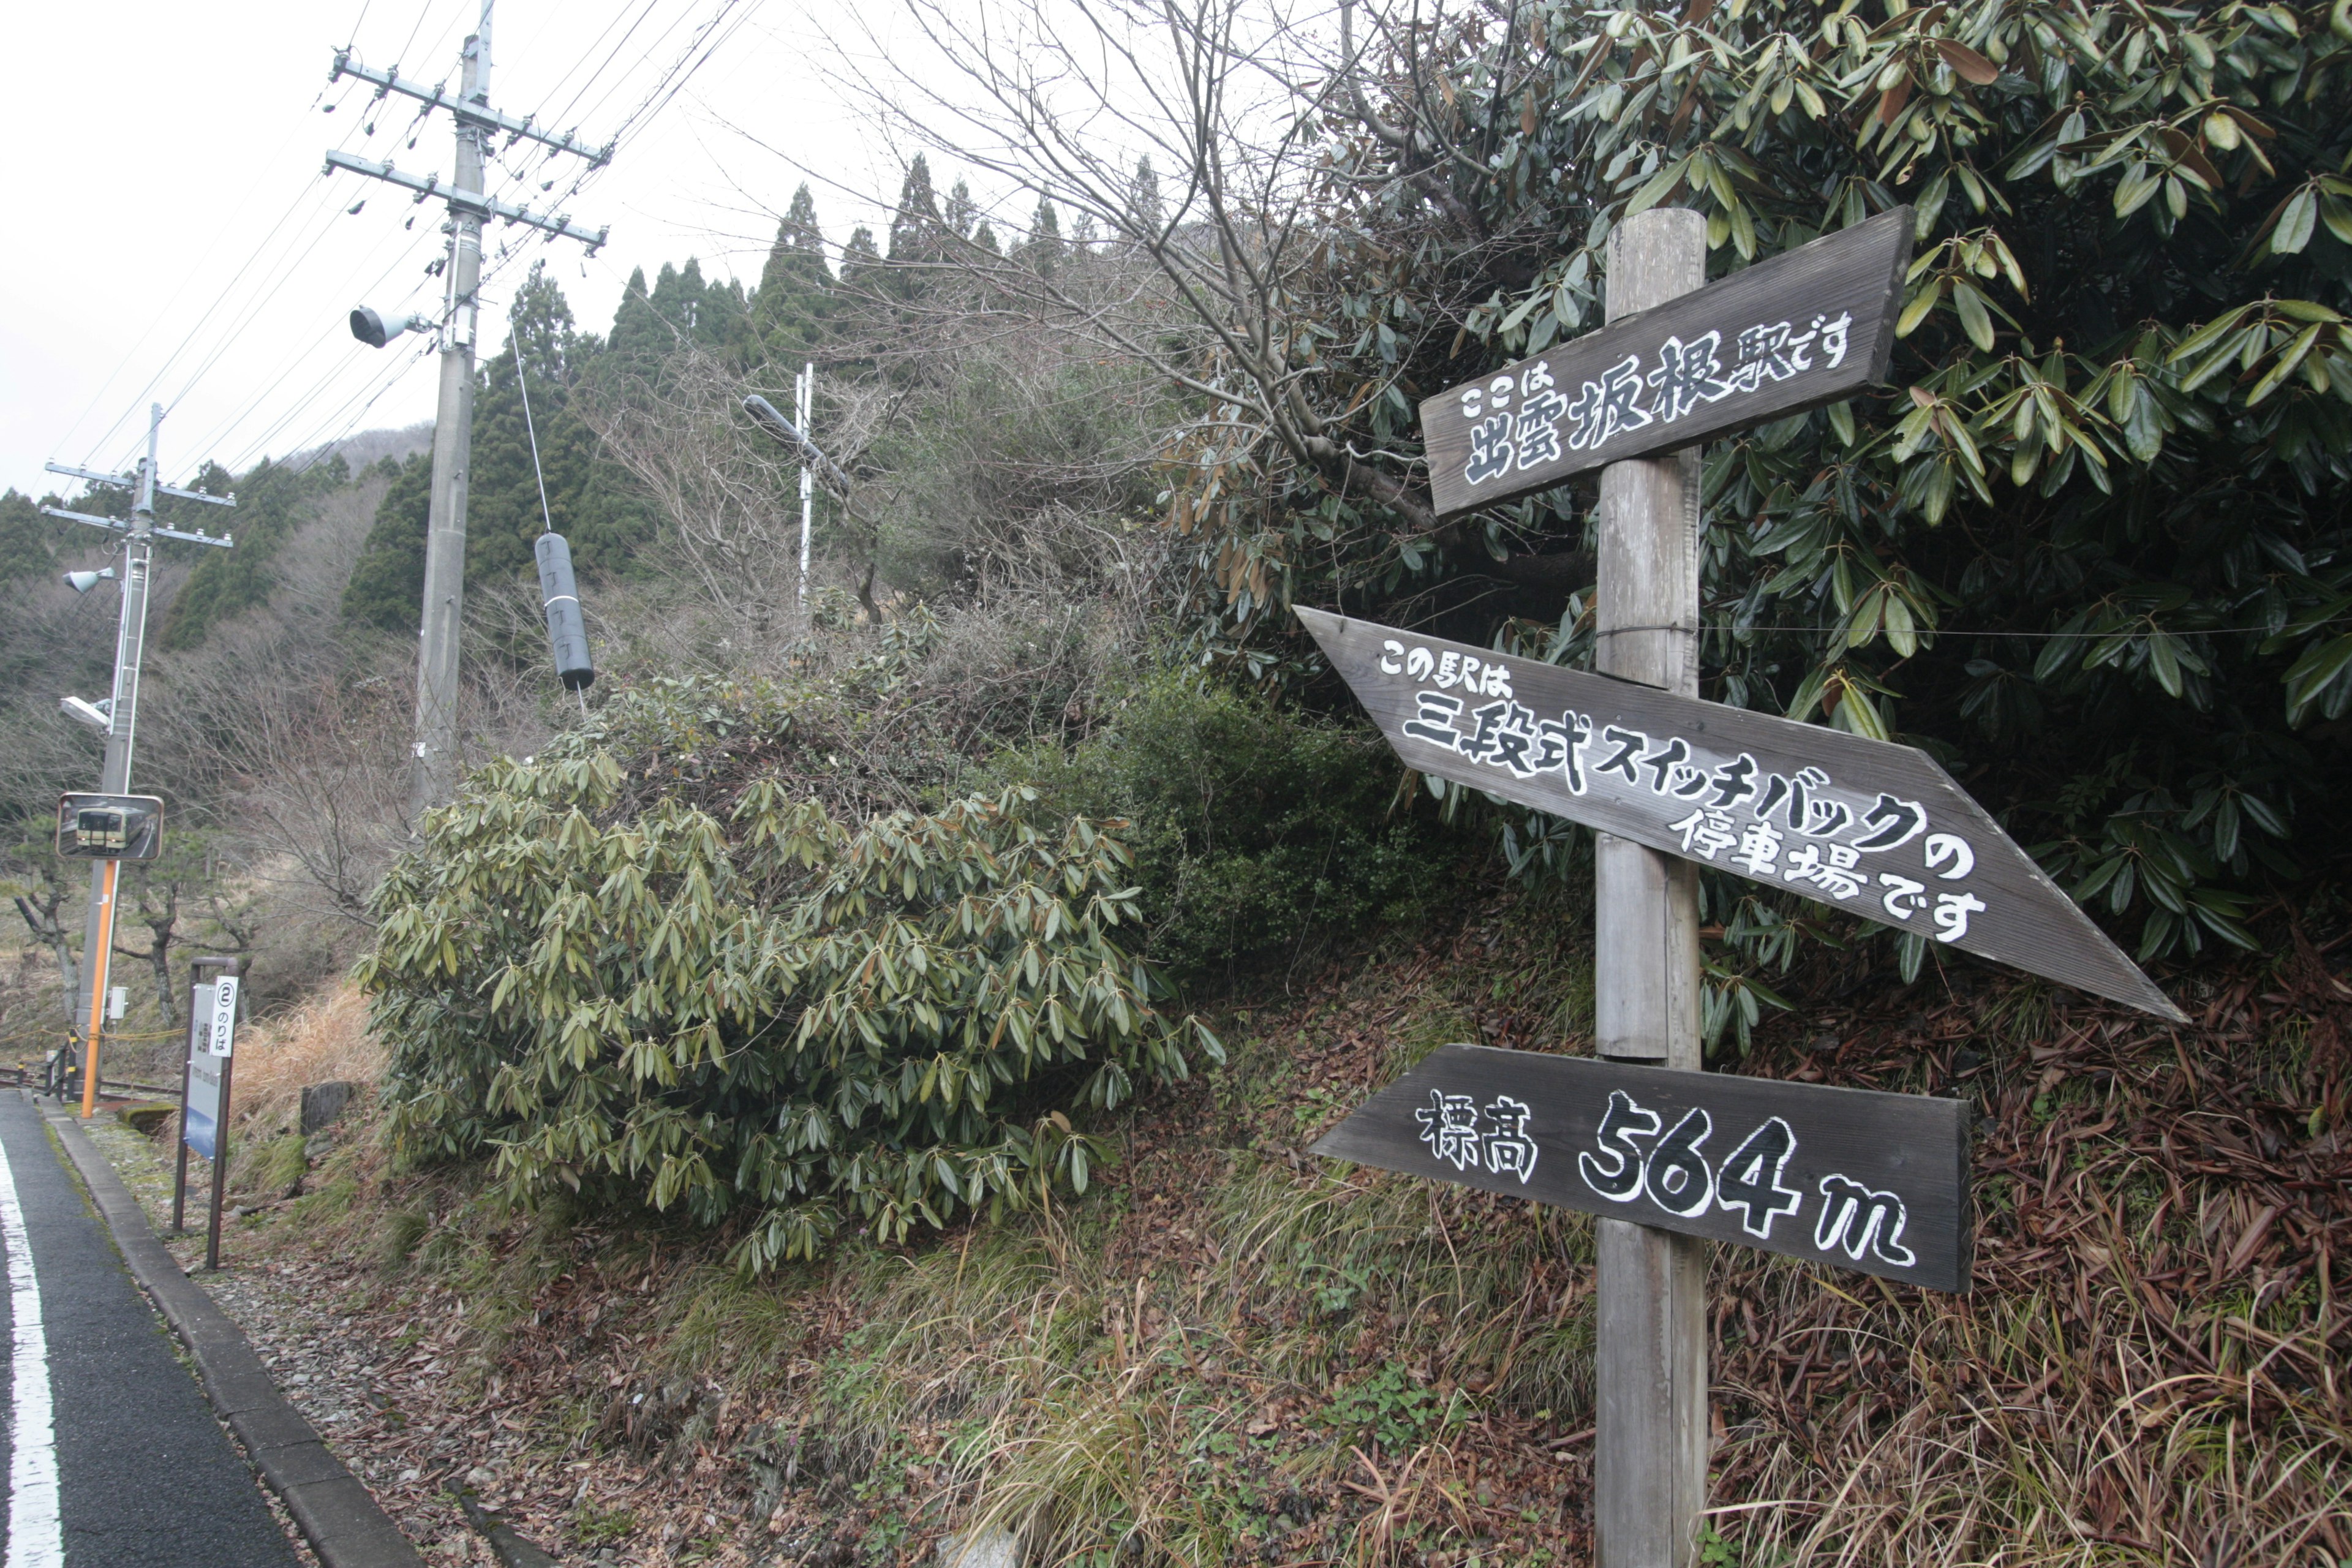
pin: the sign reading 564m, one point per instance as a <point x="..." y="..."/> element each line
<point x="1873" y="1182"/>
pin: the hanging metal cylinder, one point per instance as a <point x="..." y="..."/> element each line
<point x="567" y="633"/>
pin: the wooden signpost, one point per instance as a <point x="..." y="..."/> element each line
<point x="1669" y="1157"/>
<point x="1874" y="1182"/>
<point x="1804" y="329"/>
<point x="1867" y="826"/>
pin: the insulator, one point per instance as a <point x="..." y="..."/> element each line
<point x="558" y="594"/>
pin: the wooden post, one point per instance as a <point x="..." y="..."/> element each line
<point x="1651" y="1448"/>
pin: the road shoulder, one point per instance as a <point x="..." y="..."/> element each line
<point x="336" y="1514"/>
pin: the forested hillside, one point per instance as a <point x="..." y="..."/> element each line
<point x="849" y="1076"/>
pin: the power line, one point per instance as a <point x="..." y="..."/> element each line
<point x="267" y="386"/>
<point x="228" y="226"/>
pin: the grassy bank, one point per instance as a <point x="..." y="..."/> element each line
<point x="1229" y="1352"/>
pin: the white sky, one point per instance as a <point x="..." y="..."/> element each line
<point x="173" y="238"/>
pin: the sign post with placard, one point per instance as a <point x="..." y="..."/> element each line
<point x="1669" y="1157"/>
<point x="204" y="1086"/>
<point x="1812" y="326"/>
<point x="1868" y="826"/>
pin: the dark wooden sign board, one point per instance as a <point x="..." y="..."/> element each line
<point x="1804" y="329"/>
<point x="1874" y="1182"/>
<point x="1867" y="826"/>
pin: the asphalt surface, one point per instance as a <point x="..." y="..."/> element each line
<point x="146" y="1477"/>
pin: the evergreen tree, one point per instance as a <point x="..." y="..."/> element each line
<point x="861" y="264"/>
<point x="386" y="588"/>
<point x="962" y="211"/>
<point x="916" y="228"/>
<point x="1144" y="214"/>
<point x="789" y="310"/>
<point x="725" y="324"/>
<point x="1044" y="245"/>
<point x="272" y="500"/>
<point x="985" y="238"/>
<point x="27" y="540"/>
<point x="503" y="515"/>
<point x="591" y="499"/>
<point x="637" y="328"/>
<point x="677" y="296"/>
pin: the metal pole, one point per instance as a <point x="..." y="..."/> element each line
<point x="804" y="387"/>
<point x="197" y="1024"/>
<point x="434" y="776"/>
<point x="1650" y="1451"/>
<point x="130" y="644"/>
<point x="230" y="969"/>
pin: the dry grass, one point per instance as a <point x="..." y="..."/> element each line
<point x="323" y="1039"/>
<point x="1232" y="1353"/>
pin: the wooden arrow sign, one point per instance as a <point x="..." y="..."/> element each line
<point x="1806" y="328"/>
<point x="1874" y="1182"/>
<point x="1867" y="826"/>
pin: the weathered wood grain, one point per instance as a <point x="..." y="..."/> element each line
<point x="1656" y="381"/>
<point x="1537" y="1126"/>
<point x="1948" y="873"/>
<point x="1650" y="1307"/>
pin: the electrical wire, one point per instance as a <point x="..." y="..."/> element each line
<point x="531" y="428"/>
<point x="233" y="223"/>
<point x="703" y="44"/>
<point x="269" y="383"/>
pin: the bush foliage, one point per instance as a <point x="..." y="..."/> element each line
<point x="760" y="1015"/>
<point x="1254" y="825"/>
<point x="2089" y="543"/>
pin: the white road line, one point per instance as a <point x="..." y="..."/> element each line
<point x="34" y="1540"/>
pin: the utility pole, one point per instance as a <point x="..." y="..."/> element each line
<point x="804" y="394"/>
<point x="123" y="713"/>
<point x="434" y="774"/>
<point x="1650" y="1478"/>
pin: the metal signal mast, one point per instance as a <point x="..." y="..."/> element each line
<point x="121" y="715"/>
<point x="434" y="777"/>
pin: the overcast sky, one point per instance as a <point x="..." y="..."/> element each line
<point x="174" y="240"/>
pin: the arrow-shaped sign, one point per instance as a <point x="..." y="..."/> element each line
<point x="1867" y="826"/>
<point x="1846" y="1177"/>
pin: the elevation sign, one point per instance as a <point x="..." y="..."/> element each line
<point x="1867" y="826"/>
<point x="1852" y="1177"/>
<point x="1804" y="329"/>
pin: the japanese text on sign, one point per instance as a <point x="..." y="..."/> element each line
<point x="1873" y="851"/>
<point x="1636" y="1159"/>
<point x="1523" y="421"/>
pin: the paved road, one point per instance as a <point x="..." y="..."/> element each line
<point x="113" y="1458"/>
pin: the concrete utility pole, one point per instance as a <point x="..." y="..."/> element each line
<point x="123" y="713"/>
<point x="1651" y="1445"/>
<point x="433" y="777"/>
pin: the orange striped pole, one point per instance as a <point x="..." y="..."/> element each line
<point x="98" y="974"/>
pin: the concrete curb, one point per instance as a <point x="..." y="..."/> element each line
<point x="337" y="1515"/>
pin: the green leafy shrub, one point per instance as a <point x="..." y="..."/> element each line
<point x="1254" y="825"/>
<point x="760" y="1016"/>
